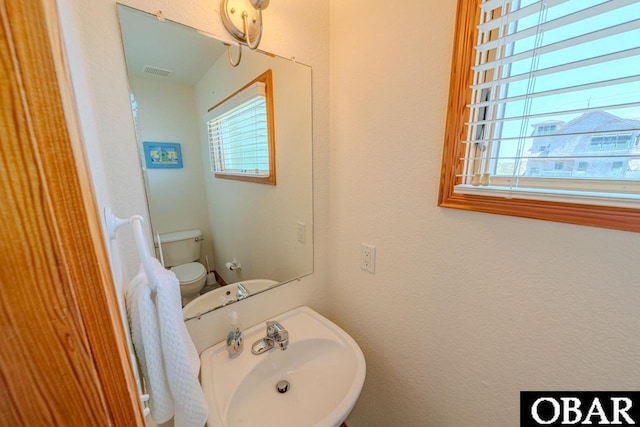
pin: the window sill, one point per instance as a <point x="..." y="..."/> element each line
<point x="606" y="199"/>
<point x="612" y="217"/>
<point x="270" y="180"/>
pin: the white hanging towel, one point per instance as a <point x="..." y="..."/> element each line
<point x="167" y="356"/>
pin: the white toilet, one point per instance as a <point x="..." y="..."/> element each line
<point x="180" y="251"/>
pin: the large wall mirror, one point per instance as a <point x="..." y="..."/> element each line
<point x="176" y="75"/>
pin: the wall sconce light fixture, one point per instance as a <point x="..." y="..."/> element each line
<point x="243" y="20"/>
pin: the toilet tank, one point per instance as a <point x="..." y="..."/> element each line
<point x="181" y="247"/>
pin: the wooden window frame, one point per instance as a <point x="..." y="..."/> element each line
<point x="466" y="35"/>
<point x="267" y="79"/>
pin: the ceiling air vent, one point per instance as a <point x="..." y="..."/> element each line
<point x="156" y="70"/>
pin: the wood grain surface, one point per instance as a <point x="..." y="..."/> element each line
<point x="63" y="358"/>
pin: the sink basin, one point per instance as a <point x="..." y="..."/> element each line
<point x="324" y="368"/>
<point x="212" y="299"/>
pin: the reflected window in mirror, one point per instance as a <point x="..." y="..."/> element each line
<point x="241" y="137"/>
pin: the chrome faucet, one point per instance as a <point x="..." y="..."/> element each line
<point x="277" y="336"/>
<point x="242" y="292"/>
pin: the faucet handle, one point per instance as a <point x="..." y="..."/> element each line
<point x="274" y="328"/>
<point x="277" y="334"/>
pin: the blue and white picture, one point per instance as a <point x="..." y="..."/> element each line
<point x="162" y="155"/>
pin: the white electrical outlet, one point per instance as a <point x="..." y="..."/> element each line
<point x="368" y="258"/>
<point x="301" y="231"/>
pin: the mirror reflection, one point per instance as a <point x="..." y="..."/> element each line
<point x="214" y="222"/>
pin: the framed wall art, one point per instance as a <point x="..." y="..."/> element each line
<point x="158" y="155"/>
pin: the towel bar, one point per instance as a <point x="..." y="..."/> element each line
<point x="113" y="223"/>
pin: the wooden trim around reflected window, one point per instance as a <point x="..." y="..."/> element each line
<point x="466" y="35"/>
<point x="267" y="79"/>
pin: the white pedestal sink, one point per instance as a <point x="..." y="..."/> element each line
<point x="323" y="366"/>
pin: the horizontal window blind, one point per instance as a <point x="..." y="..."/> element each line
<point x="238" y="134"/>
<point x="555" y="102"/>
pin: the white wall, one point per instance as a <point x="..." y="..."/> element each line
<point x="465" y="309"/>
<point x="256" y="223"/>
<point x="167" y="113"/>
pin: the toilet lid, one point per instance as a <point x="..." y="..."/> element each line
<point x="189" y="272"/>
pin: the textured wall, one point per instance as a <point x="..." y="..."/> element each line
<point x="465" y="309"/>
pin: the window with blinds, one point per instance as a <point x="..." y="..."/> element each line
<point x="550" y="95"/>
<point x="240" y="134"/>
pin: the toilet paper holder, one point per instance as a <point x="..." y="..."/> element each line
<point x="233" y="265"/>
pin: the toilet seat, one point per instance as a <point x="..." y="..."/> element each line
<point x="189" y="273"/>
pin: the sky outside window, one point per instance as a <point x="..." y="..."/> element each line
<point x="627" y="66"/>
